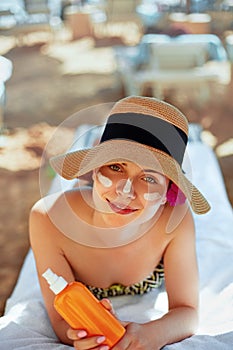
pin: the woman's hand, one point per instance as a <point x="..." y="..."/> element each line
<point x="83" y="342"/>
<point x="137" y="337"/>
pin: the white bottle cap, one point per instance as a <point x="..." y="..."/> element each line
<point x="56" y="283"/>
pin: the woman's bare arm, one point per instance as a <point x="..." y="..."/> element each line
<point x="45" y="243"/>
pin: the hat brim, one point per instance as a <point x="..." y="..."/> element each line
<point x="80" y="163"/>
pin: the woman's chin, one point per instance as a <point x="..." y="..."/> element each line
<point x="118" y="219"/>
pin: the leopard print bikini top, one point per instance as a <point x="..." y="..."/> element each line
<point x="154" y="280"/>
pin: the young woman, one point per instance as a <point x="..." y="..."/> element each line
<point x="128" y="229"/>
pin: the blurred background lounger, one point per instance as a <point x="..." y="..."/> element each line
<point x="25" y="324"/>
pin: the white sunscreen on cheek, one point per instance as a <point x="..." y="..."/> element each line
<point x="105" y="181"/>
<point x="152" y="196"/>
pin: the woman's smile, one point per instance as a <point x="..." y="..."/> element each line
<point x="121" y="208"/>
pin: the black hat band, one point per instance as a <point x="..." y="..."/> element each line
<point x="153" y="132"/>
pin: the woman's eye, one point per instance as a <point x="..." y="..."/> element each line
<point x="150" y="179"/>
<point x="114" y="167"/>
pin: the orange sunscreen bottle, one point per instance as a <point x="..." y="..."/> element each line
<point x="81" y="310"/>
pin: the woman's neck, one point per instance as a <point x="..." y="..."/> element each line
<point x="131" y="229"/>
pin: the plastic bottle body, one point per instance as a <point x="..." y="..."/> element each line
<point x="81" y="310"/>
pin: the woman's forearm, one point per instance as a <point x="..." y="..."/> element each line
<point x="60" y="328"/>
<point x="174" y="326"/>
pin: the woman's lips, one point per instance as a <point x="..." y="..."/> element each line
<point x="121" y="209"/>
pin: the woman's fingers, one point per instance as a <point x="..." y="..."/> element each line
<point x="82" y="342"/>
<point x="74" y="334"/>
<point x="107" y="304"/>
<point x="96" y="342"/>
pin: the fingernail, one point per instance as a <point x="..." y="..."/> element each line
<point x="104" y="347"/>
<point x="82" y="334"/>
<point x="100" y="340"/>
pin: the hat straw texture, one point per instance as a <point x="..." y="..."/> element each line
<point x="143" y="130"/>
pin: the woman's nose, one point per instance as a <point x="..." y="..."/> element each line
<point x="125" y="188"/>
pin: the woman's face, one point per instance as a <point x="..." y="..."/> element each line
<point x="123" y="192"/>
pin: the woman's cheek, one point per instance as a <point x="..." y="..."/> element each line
<point x="104" y="180"/>
<point x="155" y="197"/>
<point x="151" y="197"/>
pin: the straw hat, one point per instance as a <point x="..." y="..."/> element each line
<point x="146" y="131"/>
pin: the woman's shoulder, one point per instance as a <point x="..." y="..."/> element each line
<point x="47" y="203"/>
<point x="61" y="205"/>
<point x="58" y="199"/>
<point x="52" y="216"/>
<point x="176" y="219"/>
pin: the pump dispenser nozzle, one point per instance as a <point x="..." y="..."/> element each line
<point x="56" y="283"/>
